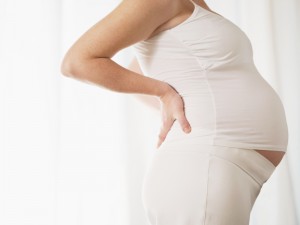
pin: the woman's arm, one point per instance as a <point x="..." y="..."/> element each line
<point x="89" y="59"/>
<point x="148" y="100"/>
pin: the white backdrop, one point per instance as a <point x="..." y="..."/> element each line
<point x="74" y="153"/>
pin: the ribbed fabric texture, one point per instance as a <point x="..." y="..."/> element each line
<point x="209" y="61"/>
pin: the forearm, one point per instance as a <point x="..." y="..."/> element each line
<point x="106" y="73"/>
<point x="148" y="100"/>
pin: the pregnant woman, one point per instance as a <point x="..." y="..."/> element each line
<point x="223" y="129"/>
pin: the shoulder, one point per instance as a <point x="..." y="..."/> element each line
<point x="130" y="22"/>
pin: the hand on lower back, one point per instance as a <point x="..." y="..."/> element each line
<point x="172" y="108"/>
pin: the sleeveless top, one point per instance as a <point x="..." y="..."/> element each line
<point x="208" y="60"/>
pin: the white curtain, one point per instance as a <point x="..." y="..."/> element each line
<point x="75" y="153"/>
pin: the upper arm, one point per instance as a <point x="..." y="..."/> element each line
<point x="130" y="22"/>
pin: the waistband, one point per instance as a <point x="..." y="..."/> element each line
<point x="248" y="160"/>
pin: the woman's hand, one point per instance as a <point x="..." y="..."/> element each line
<point x="172" y="108"/>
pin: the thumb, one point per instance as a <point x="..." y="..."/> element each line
<point x="185" y="125"/>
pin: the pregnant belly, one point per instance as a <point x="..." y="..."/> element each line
<point x="259" y="120"/>
<point x="232" y="107"/>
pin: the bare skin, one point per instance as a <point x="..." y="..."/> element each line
<point x="89" y="58"/>
<point x="274" y="156"/>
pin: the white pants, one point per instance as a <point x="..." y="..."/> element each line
<point x="203" y="185"/>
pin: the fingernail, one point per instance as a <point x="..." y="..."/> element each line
<point x="187" y="129"/>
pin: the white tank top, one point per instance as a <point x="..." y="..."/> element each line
<point x="209" y="61"/>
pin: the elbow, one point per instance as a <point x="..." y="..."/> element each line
<point x="68" y="67"/>
<point x="65" y="68"/>
<point x="79" y="67"/>
<point x="73" y="66"/>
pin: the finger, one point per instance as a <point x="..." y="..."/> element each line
<point x="184" y="123"/>
<point x="166" y="126"/>
<point x="159" y="143"/>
